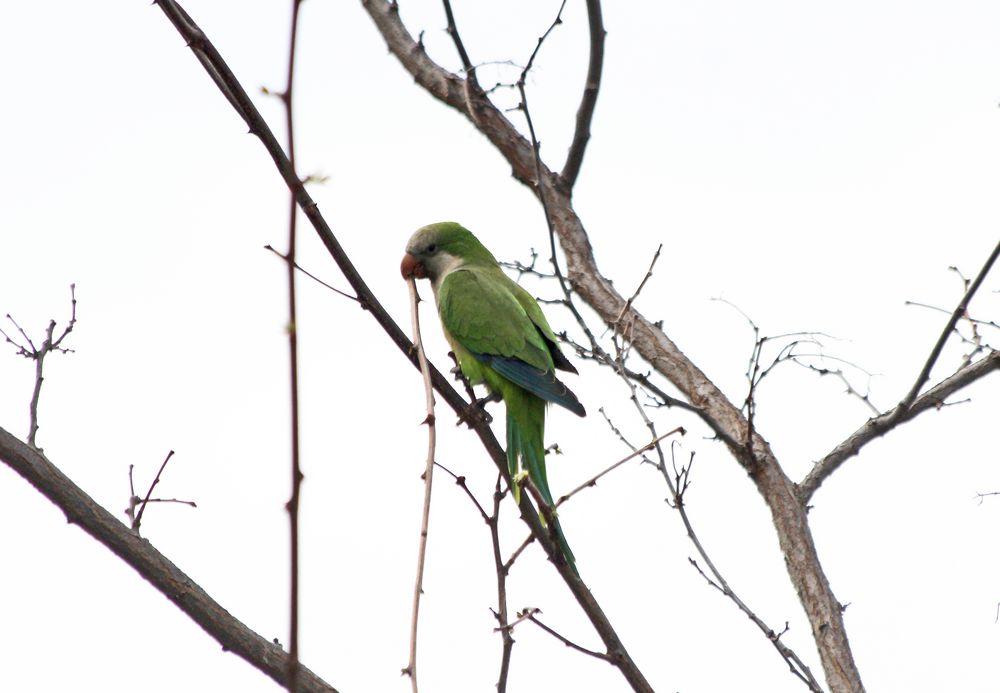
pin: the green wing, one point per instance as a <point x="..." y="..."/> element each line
<point x="483" y="313"/>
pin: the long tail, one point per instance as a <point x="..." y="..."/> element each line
<point x="525" y="436"/>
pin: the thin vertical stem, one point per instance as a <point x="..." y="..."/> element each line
<point x="418" y="583"/>
<point x="293" y="347"/>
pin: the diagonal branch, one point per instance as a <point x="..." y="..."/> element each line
<point x="880" y="425"/>
<point x="82" y="510"/>
<point x="959" y="311"/>
<point x="450" y="85"/>
<point x="585" y="114"/>
<point x="470" y="70"/>
<point x="648" y="339"/>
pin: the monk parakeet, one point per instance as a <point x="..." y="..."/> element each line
<point x="500" y="338"/>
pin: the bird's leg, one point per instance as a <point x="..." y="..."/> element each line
<point x="477" y="409"/>
<point x="457" y="372"/>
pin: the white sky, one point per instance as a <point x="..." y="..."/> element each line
<point x="817" y="164"/>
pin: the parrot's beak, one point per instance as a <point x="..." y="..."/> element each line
<point x="411" y="267"/>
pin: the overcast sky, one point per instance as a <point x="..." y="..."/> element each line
<point x="815" y="164"/>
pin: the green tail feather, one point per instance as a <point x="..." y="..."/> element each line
<point x="525" y="430"/>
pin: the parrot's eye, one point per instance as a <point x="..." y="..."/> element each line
<point x="431" y="248"/>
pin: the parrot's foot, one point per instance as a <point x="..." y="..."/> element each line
<point x="518" y="480"/>
<point x="477" y="411"/>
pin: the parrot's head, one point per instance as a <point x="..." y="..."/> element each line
<point x="436" y="249"/>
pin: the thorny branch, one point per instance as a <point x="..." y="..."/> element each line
<point x="428" y="476"/>
<point x="219" y="71"/>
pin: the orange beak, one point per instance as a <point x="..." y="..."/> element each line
<point x="411" y="267"/>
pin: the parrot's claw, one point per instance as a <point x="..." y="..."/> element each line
<point x="477" y="410"/>
<point x="518" y="481"/>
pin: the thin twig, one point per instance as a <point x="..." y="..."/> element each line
<point x="507" y="639"/>
<point x="181" y="589"/>
<point x="38" y="354"/>
<point x="460" y="482"/>
<point x="493" y="523"/>
<point x="678" y="484"/>
<point x="536" y="152"/>
<point x="470" y="69"/>
<point x="642" y="284"/>
<point x="585" y="114"/>
<point x="592" y="481"/>
<point x="650" y="340"/>
<point x="293" y="328"/>
<point x="933" y="398"/>
<point x="418" y="584"/>
<point x="530" y="616"/>
<point x="135" y="502"/>
<point x="312" y="276"/>
<point x="386" y="17"/>
<point x="981" y="496"/>
<point x="959" y="311"/>
<point x="149" y="492"/>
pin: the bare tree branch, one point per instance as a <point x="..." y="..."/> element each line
<point x="880" y="425"/>
<point x="428" y="476"/>
<point x="470" y="70"/>
<point x="960" y="310"/>
<point x="37" y="354"/>
<point x="678" y="485"/>
<point x="145" y="501"/>
<point x="230" y="86"/>
<point x="507" y="648"/>
<point x="585" y="114"/>
<point x="789" y="515"/>
<point x="530" y="615"/>
<point x="292" y="506"/>
<point x="179" y="588"/>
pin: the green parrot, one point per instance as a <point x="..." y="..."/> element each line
<point x="500" y="338"/>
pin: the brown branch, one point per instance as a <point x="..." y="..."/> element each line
<point x="38" y="354"/>
<point x="312" y="276"/>
<point x="530" y="616"/>
<point x="470" y="69"/>
<point x="507" y="640"/>
<point x="795" y="664"/>
<point x="960" y="310"/>
<point x="81" y="510"/>
<point x="428" y="477"/>
<point x="135" y="502"/>
<point x="219" y="71"/>
<point x="678" y="485"/>
<point x="145" y="501"/>
<point x="585" y="114"/>
<point x="880" y="425"/>
<point x="292" y="506"/>
<point x="592" y="481"/>
<point x="500" y="614"/>
<point x="789" y="515"/>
